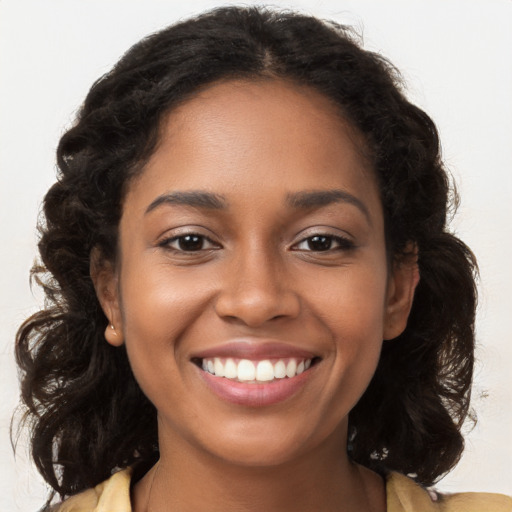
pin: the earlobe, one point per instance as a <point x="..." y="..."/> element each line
<point x="105" y="283"/>
<point x="403" y="282"/>
<point x="113" y="336"/>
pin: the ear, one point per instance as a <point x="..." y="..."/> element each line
<point x="105" y="281"/>
<point x="400" y="294"/>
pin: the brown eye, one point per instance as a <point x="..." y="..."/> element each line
<point x="319" y="243"/>
<point x="189" y="243"/>
<point x="323" y="243"/>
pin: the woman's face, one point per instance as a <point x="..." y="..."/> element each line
<point x="253" y="291"/>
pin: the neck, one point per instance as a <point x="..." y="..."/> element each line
<point x="324" y="479"/>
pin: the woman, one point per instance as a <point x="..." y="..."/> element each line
<point x="247" y="207"/>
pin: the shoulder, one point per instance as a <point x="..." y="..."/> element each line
<point x="112" y="495"/>
<point x="405" y="495"/>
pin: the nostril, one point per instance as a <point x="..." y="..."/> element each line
<point x="278" y="317"/>
<point x="254" y="307"/>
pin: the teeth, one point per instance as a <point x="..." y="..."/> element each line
<point x="265" y="371"/>
<point x="291" y="368"/>
<point x="218" y="367"/>
<point x="230" y="369"/>
<point x="246" y="370"/>
<point x="280" y="370"/>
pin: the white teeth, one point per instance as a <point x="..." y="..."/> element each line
<point x="246" y="370"/>
<point x="291" y="368"/>
<point x="218" y="367"/>
<point x="279" y="370"/>
<point x="265" y="371"/>
<point x="230" y="369"/>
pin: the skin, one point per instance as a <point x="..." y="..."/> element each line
<point x="254" y="275"/>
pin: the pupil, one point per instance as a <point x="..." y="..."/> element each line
<point x="190" y="243"/>
<point x="319" y="243"/>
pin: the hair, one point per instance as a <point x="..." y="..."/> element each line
<point x="87" y="414"/>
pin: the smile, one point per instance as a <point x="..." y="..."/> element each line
<point x="255" y="372"/>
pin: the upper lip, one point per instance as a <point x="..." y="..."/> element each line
<point x="254" y="349"/>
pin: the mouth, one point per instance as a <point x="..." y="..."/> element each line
<point x="255" y="371"/>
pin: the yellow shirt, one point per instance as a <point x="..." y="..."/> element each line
<point x="403" y="495"/>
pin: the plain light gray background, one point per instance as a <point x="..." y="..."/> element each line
<point x="456" y="58"/>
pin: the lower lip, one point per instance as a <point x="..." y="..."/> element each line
<point x="255" y="395"/>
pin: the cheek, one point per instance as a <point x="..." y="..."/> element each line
<point x="353" y="302"/>
<point x="156" y="300"/>
<point x="157" y="310"/>
<point x="353" y="310"/>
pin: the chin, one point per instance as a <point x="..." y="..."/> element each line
<point x="262" y="454"/>
<point x="269" y="443"/>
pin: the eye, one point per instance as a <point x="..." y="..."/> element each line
<point x="190" y="242"/>
<point x="322" y="243"/>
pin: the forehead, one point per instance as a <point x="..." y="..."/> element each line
<point x="243" y="137"/>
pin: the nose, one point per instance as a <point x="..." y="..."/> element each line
<point x="257" y="290"/>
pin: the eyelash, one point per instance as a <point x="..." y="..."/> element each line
<point x="168" y="243"/>
<point x="342" y="243"/>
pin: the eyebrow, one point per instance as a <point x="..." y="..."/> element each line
<point x="194" y="198"/>
<point x="319" y="198"/>
<point x="299" y="200"/>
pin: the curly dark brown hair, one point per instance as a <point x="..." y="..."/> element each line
<point x="87" y="413"/>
